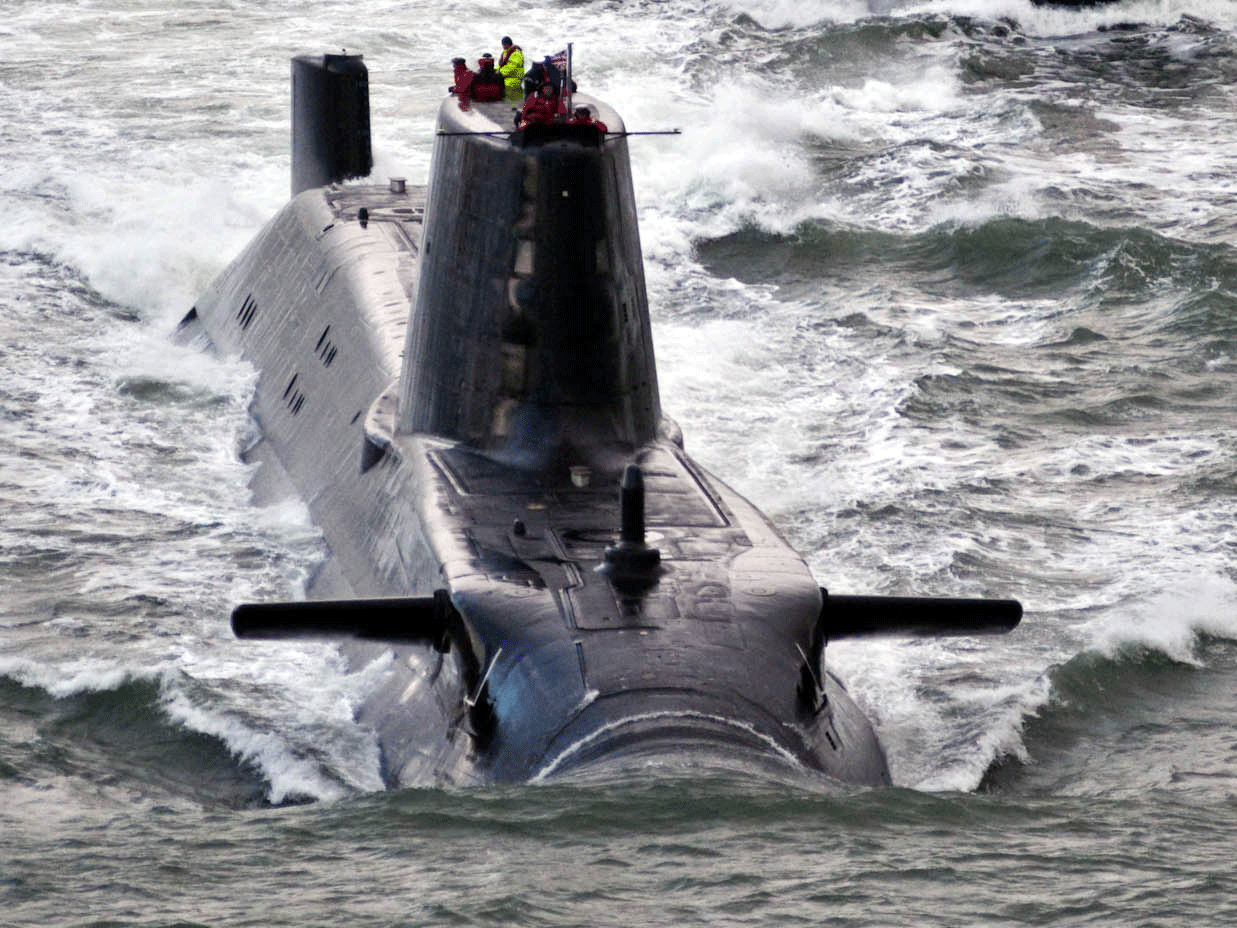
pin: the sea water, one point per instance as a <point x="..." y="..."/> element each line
<point x="948" y="289"/>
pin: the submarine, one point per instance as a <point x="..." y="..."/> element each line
<point x="458" y="379"/>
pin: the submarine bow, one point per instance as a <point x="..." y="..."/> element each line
<point x="459" y="380"/>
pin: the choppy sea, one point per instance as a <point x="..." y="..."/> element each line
<point x="948" y="288"/>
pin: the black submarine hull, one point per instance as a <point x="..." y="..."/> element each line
<point x="459" y="381"/>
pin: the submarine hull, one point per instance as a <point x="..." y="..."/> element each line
<point x="459" y="381"/>
<point x="587" y="675"/>
<point x="480" y="500"/>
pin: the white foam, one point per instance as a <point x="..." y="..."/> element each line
<point x="1169" y="621"/>
<point x="293" y="770"/>
<point x="796" y="14"/>
<point x="564" y="757"/>
<point x="85" y="675"/>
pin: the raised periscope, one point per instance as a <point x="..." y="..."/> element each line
<point x="459" y="381"/>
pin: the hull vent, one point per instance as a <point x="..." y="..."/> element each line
<point x="246" y="313"/>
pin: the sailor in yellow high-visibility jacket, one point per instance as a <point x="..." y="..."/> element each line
<point x="511" y="67"/>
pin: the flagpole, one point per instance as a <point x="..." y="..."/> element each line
<point x="567" y="82"/>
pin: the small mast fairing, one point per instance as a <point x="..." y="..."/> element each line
<point x="460" y="382"/>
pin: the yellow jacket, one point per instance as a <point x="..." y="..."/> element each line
<point x="511" y="67"/>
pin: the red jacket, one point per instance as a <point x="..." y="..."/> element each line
<point x="487" y="85"/>
<point x="463" y="80"/>
<point x="539" y="110"/>
<point x="586" y="121"/>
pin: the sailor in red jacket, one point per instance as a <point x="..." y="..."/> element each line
<point x="541" y="108"/>
<point x="487" y="86"/>
<point x="463" y="79"/>
<point x="583" y="117"/>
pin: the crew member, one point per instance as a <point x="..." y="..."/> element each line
<point x="583" y="117"/>
<point x="552" y="74"/>
<point x="541" y="108"/>
<point x="487" y="85"/>
<point x="555" y="76"/>
<point x="511" y="67"/>
<point x="534" y="79"/>
<point x="463" y="79"/>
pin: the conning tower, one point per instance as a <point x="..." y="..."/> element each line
<point x="530" y="336"/>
